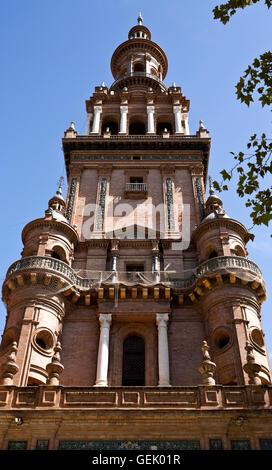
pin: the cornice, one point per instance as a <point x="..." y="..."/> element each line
<point x="219" y="223"/>
<point x="63" y="227"/>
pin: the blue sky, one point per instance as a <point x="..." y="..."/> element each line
<point x="54" y="53"/>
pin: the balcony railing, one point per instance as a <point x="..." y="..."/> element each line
<point x="136" y="187"/>
<point x="85" y="279"/>
<point x="139" y="74"/>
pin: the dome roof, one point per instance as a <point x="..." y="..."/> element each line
<point x="215" y="215"/>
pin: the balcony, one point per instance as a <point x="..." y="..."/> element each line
<point x="145" y="78"/>
<point x="136" y="191"/>
<point x="232" y="266"/>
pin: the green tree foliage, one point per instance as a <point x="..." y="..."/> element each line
<point x="253" y="167"/>
<point x="225" y="11"/>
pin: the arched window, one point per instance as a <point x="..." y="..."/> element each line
<point x="136" y="127"/>
<point x="133" y="361"/>
<point x="138" y="67"/>
<point x="111" y="125"/>
<point x="213" y="254"/>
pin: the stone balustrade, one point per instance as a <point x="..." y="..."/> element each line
<point x="221" y="264"/>
<point x="138" y="74"/>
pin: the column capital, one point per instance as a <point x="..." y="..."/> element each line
<point x="105" y="320"/>
<point x="150" y="109"/>
<point x="155" y="247"/>
<point x="114" y="246"/>
<point x="176" y="109"/>
<point x="97" y="109"/>
<point x="162" y="319"/>
<point x="123" y="109"/>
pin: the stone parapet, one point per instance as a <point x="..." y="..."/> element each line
<point x="176" y="398"/>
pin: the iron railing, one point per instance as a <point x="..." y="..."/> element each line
<point x="136" y="187"/>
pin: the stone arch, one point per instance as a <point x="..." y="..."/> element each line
<point x="59" y="253"/>
<point x="164" y="122"/>
<point x="137" y="125"/>
<point x="110" y="122"/>
<point x="211" y="252"/>
<point x="138" y="66"/>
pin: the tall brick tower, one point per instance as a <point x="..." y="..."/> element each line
<point x="133" y="315"/>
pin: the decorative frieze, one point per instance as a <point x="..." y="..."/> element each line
<point x="129" y="445"/>
<point x="85" y="157"/>
<point x="71" y="199"/>
<point x="170" y="204"/>
<point x="101" y="204"/>
<point x="200" y="197"/>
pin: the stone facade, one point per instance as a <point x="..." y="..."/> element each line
<point x="134" y="313"/>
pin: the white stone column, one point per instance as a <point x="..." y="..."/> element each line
<point x="103" y="351"/>
<point x="96" y="120"/>
<point x="177" y="113"/>
<point x="150" y="121"/>
<point x="161" y="320"/>
<point x="123" y="121"/>
<point x="89" y="118"/>
<point x="185" y="115"/>
<point x="156" y="267"/>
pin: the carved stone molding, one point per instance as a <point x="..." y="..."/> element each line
<point x="167" y="170"/>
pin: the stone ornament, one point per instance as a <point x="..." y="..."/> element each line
<point x="55" y="368"/>
<point x="251" y="368"/>
<point x="10" y="368"/>
<point x="207" y="367"/>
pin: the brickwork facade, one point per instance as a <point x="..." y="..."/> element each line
<point x="135" y="279"/>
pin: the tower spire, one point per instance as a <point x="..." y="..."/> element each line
<point x="60" y="184"/>
<point x="211" y="191"/>
<point x="140" y="19"/>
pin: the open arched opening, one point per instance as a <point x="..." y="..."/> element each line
<point x="133" y="373"/>
<point x="111" y="125"/>
<point x="161" y="126"/>
<point x="136" y="127"/>
<point x="213" y="254"/>
<point x="138" y="67"/>
<point x="59" y="253"/>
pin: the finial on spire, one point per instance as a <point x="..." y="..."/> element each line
<point x="60" y="184"/>
<point x="210" y="186"/>
<point x="140" y="19"/>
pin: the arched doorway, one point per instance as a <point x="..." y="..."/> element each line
<point x="133" y="361"/>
